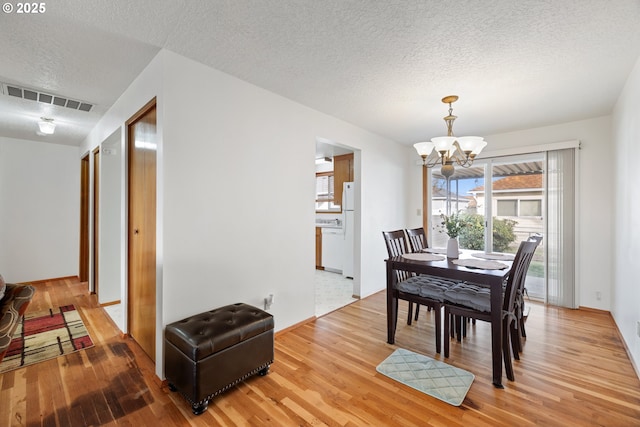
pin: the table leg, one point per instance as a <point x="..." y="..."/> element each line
<point x="392" y="305"/>
<point x="496" y="333"/>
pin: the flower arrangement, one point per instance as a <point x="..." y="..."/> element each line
<point x="453" y="224"/>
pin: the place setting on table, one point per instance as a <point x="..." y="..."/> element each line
<point x="423" y="256"/>
<point x="479" y="260"/>
<point x="483" y="264"/>
<point x="485" y="261"/>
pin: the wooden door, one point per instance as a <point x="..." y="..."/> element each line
<point x="142" y="229"/>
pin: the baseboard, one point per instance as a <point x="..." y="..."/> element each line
<point x="593" y="310"/>
<point x="626" y="348"/>
<point x="297" y="325"/>
<point x="107" y="304"/>
<point x="39" y="282"/>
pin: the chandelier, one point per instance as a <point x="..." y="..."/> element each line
<point x="446" y="150"/>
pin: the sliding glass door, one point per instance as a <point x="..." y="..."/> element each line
<point x="518" y="202"/>
<point x="455" y="197"/>
<point x="506" y="195"/>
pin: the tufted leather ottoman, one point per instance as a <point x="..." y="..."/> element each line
<point x="210" y="352"/>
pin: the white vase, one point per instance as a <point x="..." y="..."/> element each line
<point x="453" y="249"/>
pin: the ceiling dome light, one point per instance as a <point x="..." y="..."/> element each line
<point x="46" y="126"/>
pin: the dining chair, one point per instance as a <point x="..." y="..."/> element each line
<point x="397" y="245"/>
<point x="417" y="242"/>
<point x="417" y="239"/>
<point x="474" y="301"/>
<point x="420" y="289"/>
<point x="522" y="312"/>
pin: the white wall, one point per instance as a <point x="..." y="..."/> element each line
<point x="236" y="179"/>
<point x="144" y="88"/>
<point x="110" y="219"/>
<point x="596" y="183"/>
<point x="231" y="149"/>
<point x="39" y="210"/>
<point x="626" y="220"/>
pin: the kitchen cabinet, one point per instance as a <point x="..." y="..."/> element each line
<point x="342" y="172"/>
<point x="319" y="248"/>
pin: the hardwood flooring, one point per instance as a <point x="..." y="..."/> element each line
<point x="574" y="372"/>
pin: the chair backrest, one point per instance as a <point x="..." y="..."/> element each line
<point x="417" y="239"/>
<point x="518" y="273"/>
<point x="397" y="245"/>
<point x="535" y="238"/>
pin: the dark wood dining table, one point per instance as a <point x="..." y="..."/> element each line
<point x="447" y="269"/>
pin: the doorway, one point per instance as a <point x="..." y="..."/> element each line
<point x="337" y="219"/>
<point x="141" y="235"/>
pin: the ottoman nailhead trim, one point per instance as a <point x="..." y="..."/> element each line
<point x="227" y="387"/>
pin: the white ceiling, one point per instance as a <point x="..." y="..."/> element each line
<point x="383" y="65"/>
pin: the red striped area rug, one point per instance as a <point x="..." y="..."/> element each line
<point x="45" y="335"/>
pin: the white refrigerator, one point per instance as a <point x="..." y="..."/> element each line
<point x="348" y="227"/>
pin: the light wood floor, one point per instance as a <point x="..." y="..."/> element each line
<point x="574" y="372"/>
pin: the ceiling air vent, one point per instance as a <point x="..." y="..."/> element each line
<point x="45" y="98"/>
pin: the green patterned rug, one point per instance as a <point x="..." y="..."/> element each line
<point x="432" y="377"/>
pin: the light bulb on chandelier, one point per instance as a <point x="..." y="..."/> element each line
<point x="445" y="150"/>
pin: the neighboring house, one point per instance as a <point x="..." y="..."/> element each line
<point x="519" y="198"/>
<point x="439" y="202"/>
<point x="459" y="203"/>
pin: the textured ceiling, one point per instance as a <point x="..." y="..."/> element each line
<point x="381" y="65"/>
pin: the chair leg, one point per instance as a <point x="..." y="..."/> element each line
<point x="464" y="321"/>
<point x="522" y="334"/>
<point x="516" y="348"/>
<point x="410" y="315"/>
<point x="459" y="328"/>
<point x="453" y="330"/>
<point x="417" y="312"/>
<point x="506" y="349"/>
<point x="438" y="324"/>
<point x="448" y="331"/>
<point x="525" y="315"/>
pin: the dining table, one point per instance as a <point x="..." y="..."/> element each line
<point x="447" y="268"/>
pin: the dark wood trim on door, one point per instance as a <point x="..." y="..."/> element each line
<point x="83" y="267"/>
<point x="96" y="215"/>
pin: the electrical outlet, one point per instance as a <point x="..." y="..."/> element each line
<point x="598" y="295"/>
<point x="268" y="301"/>
<point x="638" y="328"/>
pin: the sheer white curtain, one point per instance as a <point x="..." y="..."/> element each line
<point x="561" y="227"/>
